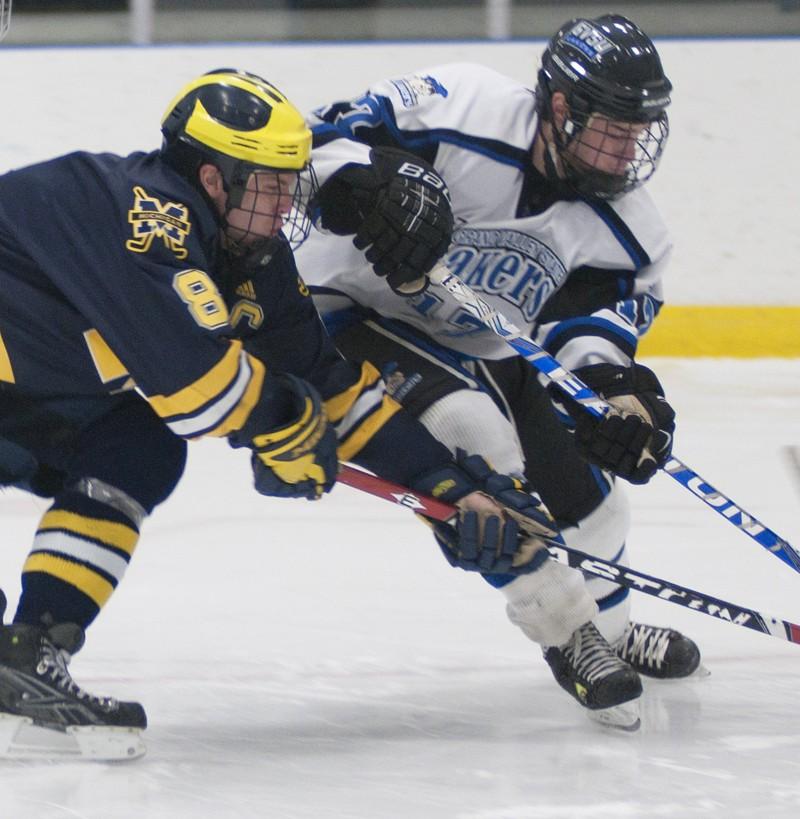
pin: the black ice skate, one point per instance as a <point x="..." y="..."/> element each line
<point x="659" y="652"/>
<point x="588" y="668"/>
<point x="45" y="714"/>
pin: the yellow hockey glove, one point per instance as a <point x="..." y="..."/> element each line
<point x="297" y="460"/>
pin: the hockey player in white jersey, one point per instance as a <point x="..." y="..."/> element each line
<point x="556" y="231"/>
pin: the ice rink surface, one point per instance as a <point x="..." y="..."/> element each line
<point x="301" y="660"/>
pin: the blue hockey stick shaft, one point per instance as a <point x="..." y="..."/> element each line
<point x="572" y="386"/>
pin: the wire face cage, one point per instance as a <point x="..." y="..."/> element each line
<point x="608" y="158"/>
<point x="263" y="203"/>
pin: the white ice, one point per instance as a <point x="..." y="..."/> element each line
<point x="303" y="660"/>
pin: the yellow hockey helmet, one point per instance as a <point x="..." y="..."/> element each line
<point x="241" y="124"/>
<point x="236" y="121"/>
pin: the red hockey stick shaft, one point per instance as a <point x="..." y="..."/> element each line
<point x="381" y="488"/>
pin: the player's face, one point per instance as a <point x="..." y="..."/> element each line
<point x="266" y="203"/>
<point x="606" y="145"/>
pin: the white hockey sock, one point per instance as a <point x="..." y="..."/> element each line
<point x="603" y="534"/>
<point x="550" y="603"/>
<point x="470" y="420"/>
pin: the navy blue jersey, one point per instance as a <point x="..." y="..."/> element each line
<point x="94" y="250"/>
<point x="111" y="278"/>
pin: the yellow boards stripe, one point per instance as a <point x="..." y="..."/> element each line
<point x="724" y="331"/>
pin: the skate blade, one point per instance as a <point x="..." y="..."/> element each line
<point x="700" y="673"/>
<point x="21" y="739"/>
<point x="624" y="717"/>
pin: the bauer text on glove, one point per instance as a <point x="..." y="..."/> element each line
<point x="398" y="207"/>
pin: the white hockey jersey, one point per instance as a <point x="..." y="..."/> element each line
<point x="583" y="278"/>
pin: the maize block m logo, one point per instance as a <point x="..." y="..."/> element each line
<point x="150" y="219"/>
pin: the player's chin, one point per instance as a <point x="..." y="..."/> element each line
<point x="618" y="171"/>
<point x="268" y="230"/>
<point x="610" y="168"/>
<point x="252" y="238"/>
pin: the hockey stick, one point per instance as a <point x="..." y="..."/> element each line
<point x="596" y="406"/>
<point x="622" y="575"/>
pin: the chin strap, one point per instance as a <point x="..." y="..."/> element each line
<point x="563" y="186"/>
<point x="255" y="255"/>
<point x="575" y="180"/>
<point x="550" y="156"/>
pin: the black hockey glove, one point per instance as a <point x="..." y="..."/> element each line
<point x="297" y="460"/>
<point x="634" y="439"/>
<point x="399" y="210"/>
<point x="500" y="528"/>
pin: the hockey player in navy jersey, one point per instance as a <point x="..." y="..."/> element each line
<point x="152" y="299"/>
<point x="554" y="228"/>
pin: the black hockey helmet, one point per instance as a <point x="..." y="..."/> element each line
<point x="609" y="67"/>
